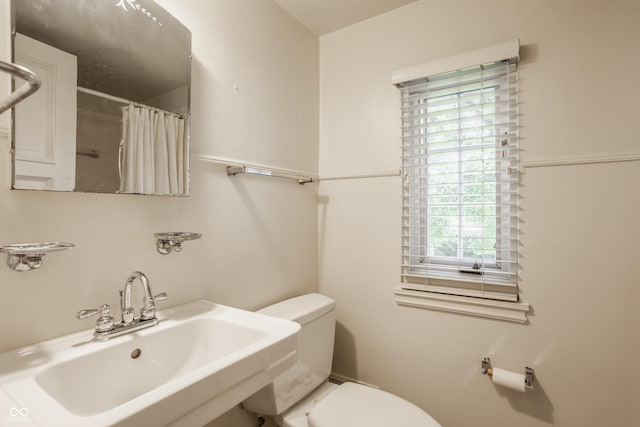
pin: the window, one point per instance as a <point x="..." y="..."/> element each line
<point x="460" y="181"/>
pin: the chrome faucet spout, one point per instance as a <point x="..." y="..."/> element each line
<point x="148" y="310"/>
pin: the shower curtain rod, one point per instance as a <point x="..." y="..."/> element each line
<point x="32" y="84"/>
<point x="123" y="100"/>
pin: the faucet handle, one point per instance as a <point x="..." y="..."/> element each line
<point x="148" y="312"/>
<point x="103" y="309"/>
<point x="161" y="297"/>
<point x="104" y="322"/>
<point x="127" y="314"/>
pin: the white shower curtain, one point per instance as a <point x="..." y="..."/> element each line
<point x="153" y="152"/>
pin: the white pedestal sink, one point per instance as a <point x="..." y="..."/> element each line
<point x="198" y="362"/>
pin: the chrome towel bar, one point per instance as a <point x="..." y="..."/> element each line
<point x="302" y="179"/>
<point x="31" y="85"/>
<point x="235" y="167"/>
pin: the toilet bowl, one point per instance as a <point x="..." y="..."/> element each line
<point x="303" y="396"/>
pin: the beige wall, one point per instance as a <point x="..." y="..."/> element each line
<point x="260" y="236"/>
<point x="259" y="239"/>
<point x="579" y="224"/>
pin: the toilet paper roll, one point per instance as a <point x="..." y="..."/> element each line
<point x="508" y="379"/>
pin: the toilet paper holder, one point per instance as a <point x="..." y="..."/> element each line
<point x="486" y="369"/>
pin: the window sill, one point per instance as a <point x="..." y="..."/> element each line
<point x="501" y="310"/>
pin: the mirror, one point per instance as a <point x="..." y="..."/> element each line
<point x="112" y="114"/>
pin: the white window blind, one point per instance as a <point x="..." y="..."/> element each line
<point x="460" y="182"/>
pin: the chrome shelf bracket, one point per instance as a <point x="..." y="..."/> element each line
<point x="28" y="256"/>
<point x="172" y="241"/>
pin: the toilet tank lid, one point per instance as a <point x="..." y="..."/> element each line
<point x="301" y="309"/>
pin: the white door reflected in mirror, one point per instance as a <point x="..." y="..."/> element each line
<point x="45" y="157"/>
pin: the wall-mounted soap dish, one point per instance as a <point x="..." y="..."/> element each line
<point x="173" y="240"/>
<point x="28" y="256"/>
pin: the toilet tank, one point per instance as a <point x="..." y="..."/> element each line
<point x="316" y="315"/>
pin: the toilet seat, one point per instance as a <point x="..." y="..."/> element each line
<point x="353" y="404"/>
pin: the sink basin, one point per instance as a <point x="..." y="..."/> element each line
<point x="198" y="362"/>
<point x="123" y="372"/>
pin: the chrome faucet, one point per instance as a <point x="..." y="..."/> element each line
<point x="106" y="328"/>
<point x="148" y="310"/>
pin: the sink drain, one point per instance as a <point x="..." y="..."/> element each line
<point x="136" y="353"/>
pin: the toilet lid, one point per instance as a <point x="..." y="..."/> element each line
<point x="353" y="404"/>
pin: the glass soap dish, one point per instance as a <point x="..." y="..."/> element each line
<point x="28" y="256"/>
<point x="173" y="240"/>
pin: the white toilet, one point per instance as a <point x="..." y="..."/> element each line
<point x="302" y="396"/>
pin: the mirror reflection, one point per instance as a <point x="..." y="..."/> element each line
<point x="112" y="114"/>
